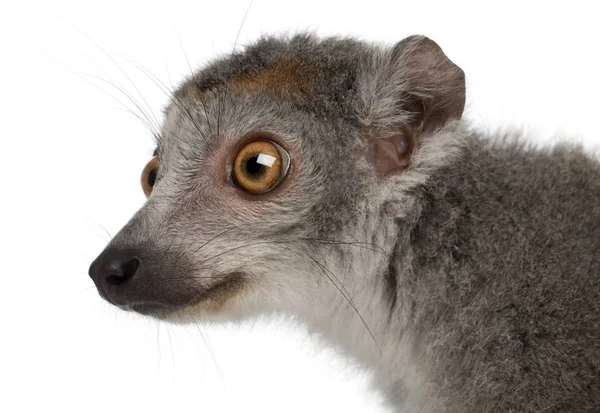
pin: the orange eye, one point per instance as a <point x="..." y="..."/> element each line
<point x="149" y="175"/>
<point x="260" y="166"/>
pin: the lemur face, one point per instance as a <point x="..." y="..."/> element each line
<point x="267" y="177"/>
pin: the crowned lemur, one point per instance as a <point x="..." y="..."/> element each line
<point x="334" y="181"/>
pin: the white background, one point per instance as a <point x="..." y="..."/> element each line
<point x="71" y="157"/>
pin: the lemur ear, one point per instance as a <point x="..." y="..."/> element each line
<point x="420" y="91"/>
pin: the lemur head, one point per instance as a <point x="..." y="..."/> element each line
<point x="273" y="174"/>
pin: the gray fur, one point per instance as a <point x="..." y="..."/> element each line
<point x="468" y="282"/>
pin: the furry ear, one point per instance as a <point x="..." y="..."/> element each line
<point x="419" y="91"/>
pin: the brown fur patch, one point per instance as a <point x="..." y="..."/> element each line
<point x="287" y="77"/>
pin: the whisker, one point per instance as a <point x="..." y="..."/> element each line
<point x="357" y="244"/>
<point x="125" y="74"/>
<point x="209" y="241"/>
<point x="197" y="85"/>
<point x="179" y="314"/>
<point x="279" y="242"/>
<point x="163" y="262"/>
<point x="101" y="226"/>
<point x="158" y="345"/>
<point x="195" y="277"/>
<point x="362" y="245"/>
<point x="154" y="133"/>
<point x="219" y="97"/>
<point x="209" y="348"/>
<point x="88" y="288"/>
<point x="185" y="107"/>
<point x="172" y="352"/>
<point x="178" y="259"/>
<point x="347" y="296"/>
<point x="146" y="121"/>
<point x="172" y="97"/>
<point x="239" y="247"/>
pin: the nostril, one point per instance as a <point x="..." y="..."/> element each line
<point x="114" y="279"/>
<point x="131" y="267"/>
<point x="122" y="272"/>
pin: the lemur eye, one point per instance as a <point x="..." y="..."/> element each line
<point x="149" y="175"/>
<point x="260" y="166"/>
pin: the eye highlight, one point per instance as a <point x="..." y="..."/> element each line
<point x="149" y="175"/>
<point x="260" y="166"/>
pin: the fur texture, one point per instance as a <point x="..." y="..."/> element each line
<point x="469" y="281"/>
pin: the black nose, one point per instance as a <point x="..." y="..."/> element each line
<point x="112" y="271"/>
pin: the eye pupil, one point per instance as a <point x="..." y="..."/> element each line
<point x="252" y="166"/>
<point x="152" y="177"/>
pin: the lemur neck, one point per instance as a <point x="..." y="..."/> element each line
<point x="372" y="315"/>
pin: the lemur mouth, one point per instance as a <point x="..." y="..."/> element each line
<point x="216" y="294"/>
<point x="150" y="309"/>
